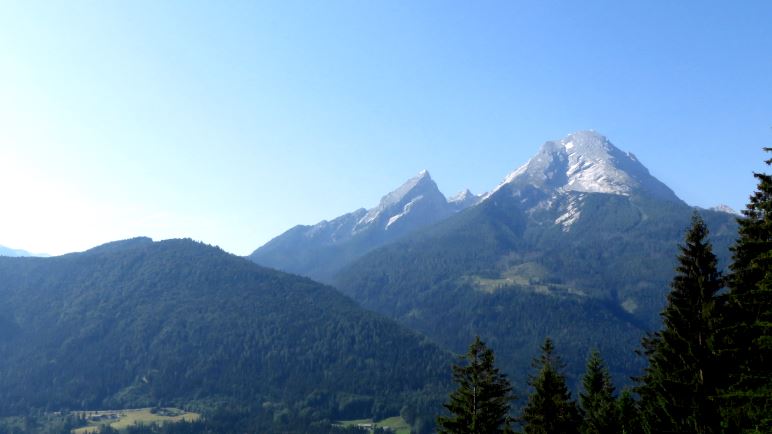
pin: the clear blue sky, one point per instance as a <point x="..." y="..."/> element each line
<point x="231" y="122"/>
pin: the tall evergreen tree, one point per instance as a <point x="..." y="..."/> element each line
<point x="629" y="414"/>
<point x="480" y="405"/>
<point x="747" y="332"/>
<point x="599" y="408"/>
<point x="550" y="409"/>
<point x="679" y="386"/>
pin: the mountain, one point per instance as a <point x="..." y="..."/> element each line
<point x="578" y="244"/>
<point x="320" y="250"/>
<point x="585" y="162"/>
<point x="6" y="251"/>
<point x="463" y="200"/>
<point x="725" y="208"/>
<point x="141" y="323"/>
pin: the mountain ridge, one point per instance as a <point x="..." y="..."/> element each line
<point x="10" y="252"/>
<point x="320" y="250"/>
<point x="558" y="177"/>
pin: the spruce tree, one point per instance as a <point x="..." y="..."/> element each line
<point x="747" y="317"/>
<point x="629" y="414"/>
<point x="480" y="405"/>
<point x="550" y="409"/>
<point x="679" y="386"/>
<point x="599" y="408"/>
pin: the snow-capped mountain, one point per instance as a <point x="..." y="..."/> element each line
<point x="415" y="200"/>
<point x="586" y="162"/>
<point x="566" y="183"/>
<point x="579" y="243"/>
<point x="558" y="179"/>
<point x="320" y="250"/>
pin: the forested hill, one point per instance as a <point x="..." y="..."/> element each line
<point x="139" y="323"/>
<point x="512" y="275"/>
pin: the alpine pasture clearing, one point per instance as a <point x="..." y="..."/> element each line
<point x="396" y="424"/>
<point x="122" y="419"/>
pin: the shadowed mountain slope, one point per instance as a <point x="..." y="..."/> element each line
<point x="139" y="323"/>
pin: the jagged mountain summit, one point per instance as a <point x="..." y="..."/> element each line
<point x="414" y="202"/>
<point x="564" y="173"/>
<point x="586" y="162"/>
<point x="464" y="199"/>
<point x="320" y="250"/>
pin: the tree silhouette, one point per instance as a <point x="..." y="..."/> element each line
<point x="480" y="404"/>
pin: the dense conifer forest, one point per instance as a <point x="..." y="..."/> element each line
<point x="707" y="368"/>
<point x="177" y="323"/>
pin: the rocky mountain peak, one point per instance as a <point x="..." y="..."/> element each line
<point x="398" y="202"/>
<point x="726" y="209"/>
<point x="587" y="162"/>
<point x="463" y="199"/>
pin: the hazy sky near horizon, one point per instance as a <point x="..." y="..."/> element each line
<point x="231" y="122"/>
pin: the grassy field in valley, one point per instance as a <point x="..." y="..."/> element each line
<point x="121" y="419"/>
<point x="395" y="424"/>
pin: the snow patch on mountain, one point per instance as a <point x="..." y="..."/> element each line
<point x="338" y="229"/>
<point x="592" y="168"/>
<point x="571" y="214"/>
<point x="725" y="208"/>
<point x="405" y="210"/>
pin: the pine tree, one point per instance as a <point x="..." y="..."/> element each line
<point x="747" y="317"/>
<point x="550" y="409"/>
<point x="480" y="405"/>
<point x="679" y="386"/>
<point x="599" y="408"/>
<point x="629" y="414"/>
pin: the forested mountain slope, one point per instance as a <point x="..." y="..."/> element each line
<point x="140" y="323"/>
